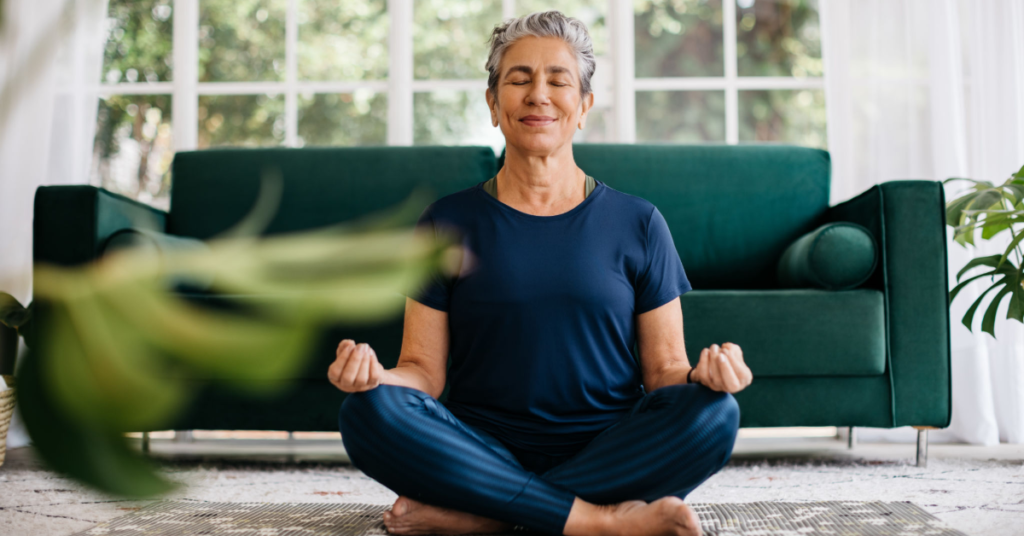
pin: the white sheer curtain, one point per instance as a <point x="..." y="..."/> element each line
<point x="932" y="89"/>
<point x="51" y="52"/>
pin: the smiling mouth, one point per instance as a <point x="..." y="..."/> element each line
<point x="537" y="121"/>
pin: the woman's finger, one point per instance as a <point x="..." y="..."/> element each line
<point x="354" y="361"/>
<point x="364" y="370"/>
<point x="344" y="347"/>
<point x="738" y="365"/>
<point x="731" y="383"/>
<point x="333" y="371"/>
<point x="376" y="371"/>
<point x="716" y="380"/>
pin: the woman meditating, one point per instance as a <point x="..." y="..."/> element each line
<point x="551" y="422"/>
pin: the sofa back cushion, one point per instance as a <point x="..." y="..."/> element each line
<point x="215" y="188"/>
<point x="732" y="210"/>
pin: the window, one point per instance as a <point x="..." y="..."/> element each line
<point x="195" y="74"/>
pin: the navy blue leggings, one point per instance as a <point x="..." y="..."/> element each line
<point x="671" y="441"/>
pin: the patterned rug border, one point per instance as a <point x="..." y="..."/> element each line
<point x="832" y="518"/>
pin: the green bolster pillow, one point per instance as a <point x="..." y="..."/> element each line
<point x="157" y="243"/>
<point x="835" y="256"/>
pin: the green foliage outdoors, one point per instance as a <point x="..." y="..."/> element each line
<point x="118" y="351"/>
<point x="684" y="38"/>
<point x="243" y="40"/>
<point x="138" y="45"/>
<point x="993" y="209"/>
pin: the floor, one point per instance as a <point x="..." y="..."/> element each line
<point x="977" y="490"/>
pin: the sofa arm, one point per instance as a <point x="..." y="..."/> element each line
<point x="72" y="223"/>
<point x="907" y="219"/>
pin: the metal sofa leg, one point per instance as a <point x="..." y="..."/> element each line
<point x="922" y="447"/>
<point x="851" y="439"/>
<point x="145" y="442"/>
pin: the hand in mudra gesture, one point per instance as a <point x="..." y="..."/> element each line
<point x="355" y="368"/>
<point x="721" y="368"/>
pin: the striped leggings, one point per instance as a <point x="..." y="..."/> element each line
<point x="671" y="441"/>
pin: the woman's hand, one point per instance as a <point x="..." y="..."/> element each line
<point x="355" y="368"/>
<point x="721" y="368"/>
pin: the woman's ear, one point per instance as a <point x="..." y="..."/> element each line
<point x="493" y="105"/>
<point x="585" y="105"/>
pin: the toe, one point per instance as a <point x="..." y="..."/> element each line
<point x="400" y="507"/>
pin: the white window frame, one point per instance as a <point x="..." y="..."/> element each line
<point x="401" y="86"/>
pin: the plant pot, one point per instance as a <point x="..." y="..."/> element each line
<point x="6" y="413"/>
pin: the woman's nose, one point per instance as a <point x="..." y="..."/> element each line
<point x="538" y="94"/>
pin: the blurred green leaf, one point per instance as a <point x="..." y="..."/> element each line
<point x="108" y="380"/>
<point x="12" y="313"/>
<point x="94" y="456"/>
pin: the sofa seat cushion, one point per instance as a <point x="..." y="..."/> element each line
<point x="791" y="332"/>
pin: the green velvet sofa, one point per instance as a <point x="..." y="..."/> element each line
<point x="876" y="355"/>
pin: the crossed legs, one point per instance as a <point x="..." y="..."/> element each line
<point x="671" y="441"/>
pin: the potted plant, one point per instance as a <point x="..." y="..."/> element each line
<point x="993" y="209"/>
<point x="14" y="319"/>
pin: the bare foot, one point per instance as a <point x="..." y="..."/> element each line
<point x="667" y="516"/>
<point x="408" y="516"/>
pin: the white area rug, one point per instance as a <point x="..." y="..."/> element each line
<point x="975" y="496"/>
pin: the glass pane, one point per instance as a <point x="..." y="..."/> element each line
<point x="241" y="40"/>
<point x="590" y="12"/>
<point x="778" y="38"/>
<point x="449" y="117"/>
<point x="680" y="116"/>
<point x="241" y="120"/>
<point x="138" y="45"/>
<point x="783" y="115"/>
<point x="679" y="38"/>
<point x="450" y="37"/>
<point x="343" y="40"/>
<point x="133" y="147"/>
<point x="358" y="118"/>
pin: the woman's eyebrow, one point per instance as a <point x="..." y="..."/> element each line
<point x="551" y="69"/>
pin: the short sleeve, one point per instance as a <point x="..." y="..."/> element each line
<point x="662" y="279"/>
<point x="435" y="291"/>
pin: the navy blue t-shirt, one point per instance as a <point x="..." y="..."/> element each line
<point x="542" y="312"/>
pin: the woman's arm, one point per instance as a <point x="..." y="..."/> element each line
<point x="423" y="362"/>
<point x="659" y="334"/>
<point x="663" y="358"/>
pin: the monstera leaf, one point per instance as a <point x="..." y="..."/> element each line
<point x="992" y="209"/>
<point x="116" y="343"/>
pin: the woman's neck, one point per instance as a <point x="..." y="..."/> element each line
<point x="541" y="185"/>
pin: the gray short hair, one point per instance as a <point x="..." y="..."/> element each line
<point x="543" y="24"/>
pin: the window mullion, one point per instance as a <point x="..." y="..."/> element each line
<point x="732" y="121"/>
<point x="400" y="98"/>
<point x="291" y="99"/>
<point x="623" y="46"/>
<point x="185" y="100"/>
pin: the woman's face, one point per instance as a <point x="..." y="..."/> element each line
<point x="538" y="105"/>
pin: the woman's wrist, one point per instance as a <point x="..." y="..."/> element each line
<point x="688" y="380"/>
